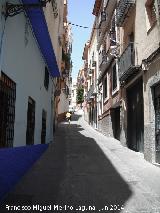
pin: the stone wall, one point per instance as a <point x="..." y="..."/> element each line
<point x="105" y="126"/>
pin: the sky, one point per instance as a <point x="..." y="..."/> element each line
<point x="80" y="13"/>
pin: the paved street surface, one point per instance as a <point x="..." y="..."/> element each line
<point x="84" y="171"/>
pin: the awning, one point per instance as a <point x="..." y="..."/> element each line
<point x="40" y="29"/>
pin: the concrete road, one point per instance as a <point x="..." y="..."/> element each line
<point x="85" y="171"/>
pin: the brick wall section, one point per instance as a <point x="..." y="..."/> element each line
<point x="105" y="126"/>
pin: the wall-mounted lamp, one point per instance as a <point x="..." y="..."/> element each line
<point x="15" y="9"/>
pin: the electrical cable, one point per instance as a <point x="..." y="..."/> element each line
<point x="85" y="27"/>
<point x="77" y="25"/>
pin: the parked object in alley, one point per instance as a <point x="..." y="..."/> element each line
<point x="68" y="117"/>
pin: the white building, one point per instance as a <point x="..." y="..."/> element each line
<point x="27" y="71"/>
<point x="74" y="94"/>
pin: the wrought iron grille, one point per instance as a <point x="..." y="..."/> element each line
<point x="122" y="10"/>
<point x="127" y="60"/>
<point x="7" y="110"/>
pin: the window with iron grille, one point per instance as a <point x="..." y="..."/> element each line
<point x="114" y="78"/>
<point x="105" y="86"/>
<point x="46" y="78"/>
<point x="30" y="122"/>
<point x="43" y="132"/>
<point x="7" y="110"/>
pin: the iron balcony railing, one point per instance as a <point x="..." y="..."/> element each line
<point x="103" y="58"/>
<point x="122" y="10"/>
<point x="92" y="92"/>
<point x="127" y="61"/>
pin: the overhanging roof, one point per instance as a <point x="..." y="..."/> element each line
<point x="40" y="30"/>
<point x="97" y="6"/>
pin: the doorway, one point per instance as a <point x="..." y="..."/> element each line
<point x="157" y="121"/>
<point x="135" y="115"/>
<point x="115" y="118"/>
<point x="30" y="122"/>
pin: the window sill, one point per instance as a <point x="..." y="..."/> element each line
<point x="115" y="91"/>
<point x="106" y="99"/>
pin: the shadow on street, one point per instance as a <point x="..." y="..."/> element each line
<point x="73" y="172"/>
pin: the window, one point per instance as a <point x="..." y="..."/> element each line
<point x="43" y="132"/>
<point x="105" y="86"/>
<point x="150" y="13"/>
<point x="7" y="110"/>
<point x="46" y="78"/>
<point x="30" y="122"/>
<point x="113" y="32"/>
<point x="114" y="78"/>
<point x="55" y="9"/>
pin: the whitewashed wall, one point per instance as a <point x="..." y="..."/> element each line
<point x="23" y="63"/>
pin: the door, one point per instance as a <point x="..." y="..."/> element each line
<point x="157" y="121"/>
<point x="135" y="114"/>
<point x="7" y="110"/>
<point x="115" y="119"/>
<point x="117" y="123"/>
<point x="30" y="122"/>
<point x="43" y="131"/>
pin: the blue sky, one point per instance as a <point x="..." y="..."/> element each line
<point x="80" y="12"/>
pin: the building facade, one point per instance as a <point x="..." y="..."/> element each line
<point x="108" y="83"/>
<point x="90" y="58"/>
<point x="28" y="68"/>
<point x="86" y="78"/>
<point x="139" y="63"/>
<point x="128" y="68"/>
<point x="65" y="82"/>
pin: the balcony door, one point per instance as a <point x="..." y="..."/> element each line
<point x="135" y="114"/>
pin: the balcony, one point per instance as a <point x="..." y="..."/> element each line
<point x="90" y="72"/>
<point x="127" y="66"/>
<point x="123" y="9"/>
<point x="104" y="19"/>
<point x="104" y="61"/>
<point x="91" y="93"/>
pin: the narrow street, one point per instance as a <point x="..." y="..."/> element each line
<point x="84" y="171"/>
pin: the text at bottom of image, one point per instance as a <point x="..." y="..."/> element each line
<point x="53" y="208"/>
